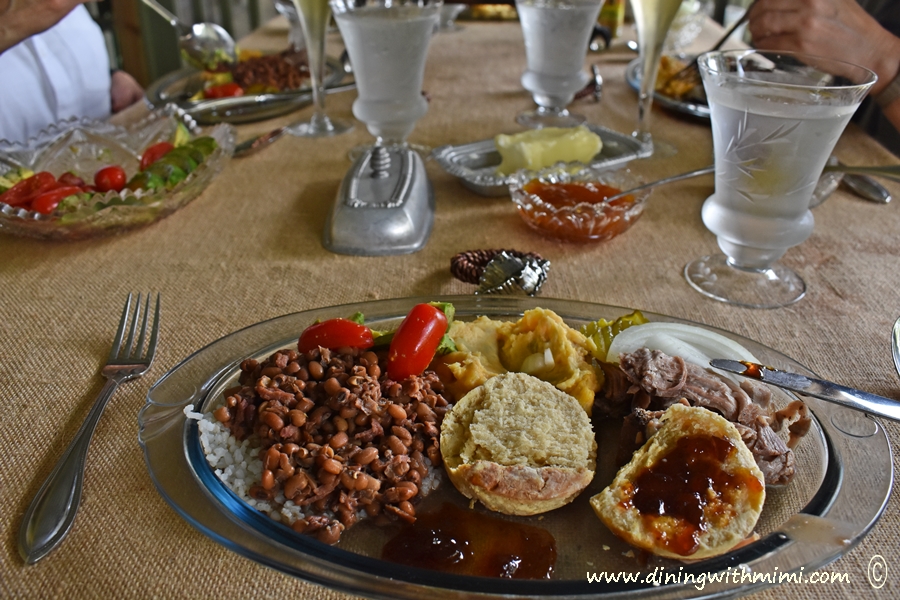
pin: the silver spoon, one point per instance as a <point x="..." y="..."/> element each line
<point x="204" y="45"/>
<point x="866" y="187"/>
<point x="888" y="171"/>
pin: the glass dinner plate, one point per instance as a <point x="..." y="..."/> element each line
<point x="843" y="478"/>
<point x="694" y="109"/>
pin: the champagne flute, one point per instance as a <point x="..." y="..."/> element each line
<point x="314" y="17"/>
<point x="652" y="19"/>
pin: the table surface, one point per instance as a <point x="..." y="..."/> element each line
<point x="249" y="249"/>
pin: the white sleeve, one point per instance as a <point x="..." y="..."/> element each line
<point x="59" y="73"/>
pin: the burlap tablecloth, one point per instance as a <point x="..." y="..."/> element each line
<point x="249" y="249"/>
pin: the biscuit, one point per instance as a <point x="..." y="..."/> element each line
<point x="691" y="492"/>
<point x="518" y="445"/>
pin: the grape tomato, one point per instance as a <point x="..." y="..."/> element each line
<point x="225" y="90"/>
<point x="335" y="333"/>
<point x="154" y="153"/>
<point x="47" y="202"/>
<point x="416" y="341"/>
<point x="26" y="190"/>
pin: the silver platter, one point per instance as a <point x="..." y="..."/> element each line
<point x="179" y="86"/>
<point x="475" y="163"/>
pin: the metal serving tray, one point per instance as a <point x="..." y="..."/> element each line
<point x="475" y="163"/>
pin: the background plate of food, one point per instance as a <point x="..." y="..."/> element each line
<point x="259" y="86"/>
<point x="840" y="481"/>
<point x="689" y="100"/>
<point x="82" y="178"/>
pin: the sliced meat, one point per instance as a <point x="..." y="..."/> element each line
<point x="799" y="427"/>
<point x="637" y="427"/>
<point x="709" y="391"/>
<point x="759" y="393"/>
<point x="615" y="400"/>
<point x="655" y="381"/>
<point x="652" y="370"/>
<point x="772" y="454"/>
<point x="666" y="377"/>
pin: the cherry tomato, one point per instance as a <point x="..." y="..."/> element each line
<point x="26" y="190"/>
<point x="416" y="341"/>
<point x="110" y="178"/>
<point x="69" y="178"/>
<point x="154" y="153"/>
<point x="335" y="333"/>
<point x="45" y="203"/>
<point x="226" y="90"/>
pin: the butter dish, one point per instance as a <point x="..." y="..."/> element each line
<point x="475" y="164"/>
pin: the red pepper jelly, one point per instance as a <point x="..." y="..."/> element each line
<point x="577" y="211"/>
<point x="691" y="486"/>
<point x="468" y="542"/>
<point x="570" y="194"/>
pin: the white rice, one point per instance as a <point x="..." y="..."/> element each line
<point x="236" y="464"/>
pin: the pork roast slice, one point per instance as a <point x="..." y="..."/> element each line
<point x="656" y="380"/>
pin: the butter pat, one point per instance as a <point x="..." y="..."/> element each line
<point x="540" y="148"/>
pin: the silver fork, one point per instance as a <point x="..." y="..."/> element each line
<point x="52" y="512"/>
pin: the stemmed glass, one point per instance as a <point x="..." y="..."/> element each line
<point x="385" y="204"/>
<point x="557" y="34"/>
<point x="314" y="16"/>
<point x="387" y="41"/>
<point x="775" y="120"/>
<point x="287" y="9"/>
<point x="652" y="19"/>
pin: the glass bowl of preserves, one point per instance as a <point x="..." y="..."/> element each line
<point x="574" y="206"/>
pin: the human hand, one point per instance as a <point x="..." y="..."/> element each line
<point x="124" y="91"/>
<point x="839" y="29"/>
<point x="21" y="19"/>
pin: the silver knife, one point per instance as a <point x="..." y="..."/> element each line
<point x="817" y="388"/>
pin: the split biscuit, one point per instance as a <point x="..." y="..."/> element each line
<point x="692" y="491"/>
<point x="518" y="445"/>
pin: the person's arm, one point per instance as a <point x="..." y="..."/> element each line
<point x="892" y="113"/>
<point x="124" y="91"/>
<point x="839" y="29"/>
<point x="21" y="19"/>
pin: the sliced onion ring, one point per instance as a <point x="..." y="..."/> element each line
<point x="693" y="344"/>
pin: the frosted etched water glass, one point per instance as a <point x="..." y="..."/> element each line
<point x="775" y="120"/>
